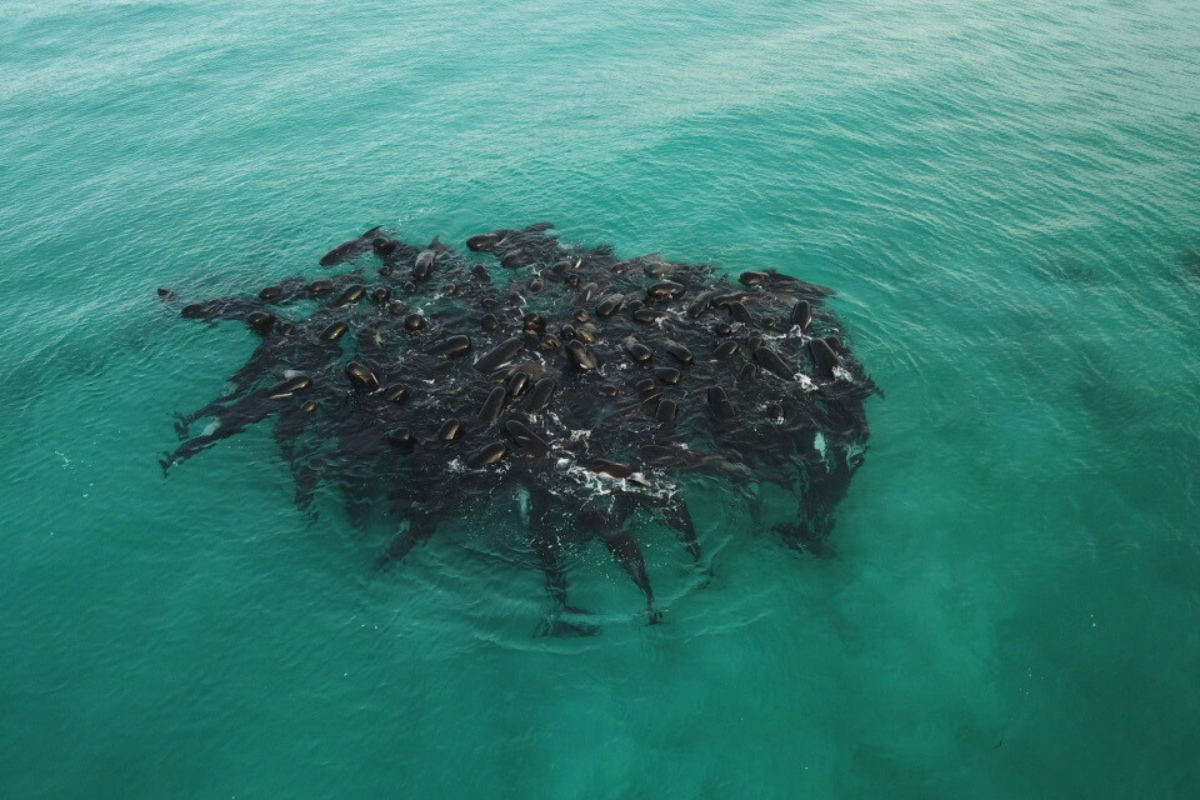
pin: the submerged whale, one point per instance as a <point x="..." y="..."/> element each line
<point x="588" y="385"/>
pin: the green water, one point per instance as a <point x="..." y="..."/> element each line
<point x="1007" y="196"/>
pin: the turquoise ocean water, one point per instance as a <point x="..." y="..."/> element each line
<point x="1007" y="196"/>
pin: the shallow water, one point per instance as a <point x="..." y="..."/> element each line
<point x="1006" y="196"/>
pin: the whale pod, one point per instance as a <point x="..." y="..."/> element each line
<point x="614" y="404"/>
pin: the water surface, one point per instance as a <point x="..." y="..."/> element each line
<point x="1007" y="197"/>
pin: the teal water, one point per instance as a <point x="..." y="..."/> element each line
<point x="1007" y="197"/>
